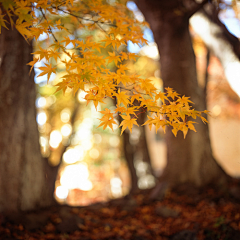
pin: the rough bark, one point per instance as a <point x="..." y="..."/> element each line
<point x="26" y="180"/>
<point x="189" y="160"/>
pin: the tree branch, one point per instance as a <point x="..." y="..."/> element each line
<point x="212" y="14"/>
<point x="221" y="42"/>
<point x="196" y="7"/>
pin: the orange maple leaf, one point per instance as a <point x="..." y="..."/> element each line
<point x="48" y="69"/>
<point x="128" y="123"/>
<point x="107" y="122"/>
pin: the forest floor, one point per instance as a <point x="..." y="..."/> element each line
<point x="207" y="215"/>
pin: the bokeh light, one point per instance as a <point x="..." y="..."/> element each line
<point x="66" y="130"/>
<point x="61" y="192"/>
<point x="55" y="138"/>
<point x="81" y="96"/>
<point x="73" y="155"/>
<point x="41" y="118"/>
<point x="94" y="153"/>
<point x="76" y="177"/>
<point x="65" y="115"/>
<point x="116" y="187"/>
<point x="41" y="102"/>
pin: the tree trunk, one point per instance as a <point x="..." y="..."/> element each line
<point x="26" y="180"/>
<point x="142" y="145"/>
<point x="189" y="160"/>
<point x="129" y="156"/>
<point x="136" y="148"/>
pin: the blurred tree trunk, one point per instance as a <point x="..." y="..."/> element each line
<point x="190" y="160"/>
<point x="224" y="45"/>
<point x="26" y="179"/>
<point x="129" y="156"/>
<point x="136" y="149"/>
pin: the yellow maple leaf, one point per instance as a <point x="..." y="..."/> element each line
<point x="42" y="53"/>
<point x="128" y="122"/>
<point x="113" y="57"/>
<point x="2" y="22"/>
<point x="184" y="130"/>
<point x="48" y="69"/>
<point x="171" y="93"/>
<point x="132" y="110"/>
<point x="184" y="100"/>
<point x="120" y="109"/>
<point x="191" y="126"/>
<point x="147" y="86"/>
<point x="161" y="96"/>
<point x="149" y="122"/>
<point x="96" y="98"/>
<point x="107" y="122"/>
<point x="106" y="114"/>
<point x="122" y="97"/>
<point x="32" y="63"/>
<point x="155" y="121"/>
<point x="175" y="131"/>
<point x="63" y="85"/>
<point x="122" y="68"/>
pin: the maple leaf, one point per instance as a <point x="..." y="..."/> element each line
<point x="147" y="86"/>
<point x="128" y="122"/>
<point x="149" y="122"/>
<point x="121" y="69"/>
<point x="149" y="104"/>
<point x="122" y="97"/>
<point x="91" y="96"/>
<point x="63" y="85"/>
<point x="32" y="63"/>
<point x="2" y="22"/>
<point x="54" y="55"/>
<point x="120" y="109"/>
<point x="191" y="126"/>
<point x="48" y="69"/>
<point x="181" y="113"/>
<point x="42" y="53"/>
<point x="107" y="114"/>
<point x="69" y="1"/>
<point x="124" y="79"/>
<point x="137" y="97"/>
<point x="194" y="114"/>
<point x="155" y="121"/>
<point x="67" y="41"/>
<point x="184" y="130"/>
<point x="131" y="110"/>
<point x="108" y="41"/>
<point x="107" y="122"/>
<point x="161" y="96"/>
<point x="124" y="56"/>
<point x="184" y="100"/>
<point x="204" y="120"/>
<point x="113" y="57"/>
<point x="132" y="56"/>
<point x="175" y="131"/>
<point x="171" y="93"/>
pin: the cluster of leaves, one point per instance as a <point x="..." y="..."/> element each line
<point x="89" y="70"/>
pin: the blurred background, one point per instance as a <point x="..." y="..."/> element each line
<point x="95" y="162"/>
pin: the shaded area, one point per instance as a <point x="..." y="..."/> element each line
<point x="199" y="215"/>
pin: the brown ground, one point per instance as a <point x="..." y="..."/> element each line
<point x="207" y="215"/>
